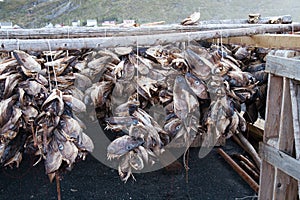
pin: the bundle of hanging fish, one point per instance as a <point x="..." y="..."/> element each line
<point x="197" y="90"/>
<point x="39" y="111"/>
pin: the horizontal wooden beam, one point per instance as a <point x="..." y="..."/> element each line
<point x="80" y="32"/>
<point x="281" y="160"/>
<point x="119" y="30"/>
<point x="276" y="41"/>
<point x="139" y="40"/>
<point x="286" y="67"/>
<point x="285" y="19"/>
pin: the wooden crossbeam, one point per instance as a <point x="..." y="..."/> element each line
<point x="153" y="28"/>
<point x="281" y="160"/>
<point x="286" y="67"/>
<point x="81" y="32"/>
<point x="276" y="41"/>
<point x="131" y="40"/>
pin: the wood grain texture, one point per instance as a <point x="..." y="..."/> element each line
<point x="281" y="160"/>
<point x="286" y="67"/>
<point x="274" y="41"/>
<point x="136" y="40"/>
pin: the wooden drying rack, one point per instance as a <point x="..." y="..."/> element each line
<point x="280" y="149"/>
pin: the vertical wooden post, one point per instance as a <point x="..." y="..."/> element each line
<point x="285" y="187"/>
<point x="273" y="112"/>
<point x="281" y="131"/>
<point x="295" y="95"/>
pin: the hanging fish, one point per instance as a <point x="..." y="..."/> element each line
<point x="199" y="65"/>
<point x="28" y="64"/>
<point x="122" y="145"/>
<point x="191" y="20"/>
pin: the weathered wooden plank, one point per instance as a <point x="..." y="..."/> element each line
<point x="273" y="110"/>
<point x="286" y="132"/>
<point x="276" y="41"/>
<point x="295" y="102"/>
<point x="285" y="186"/>
<point x="266" y="181"/>
<point x="286" y="67"/>
<point x="141" y="40"/>
<point x="257" y="129"/>
<point x="281" y="160"/>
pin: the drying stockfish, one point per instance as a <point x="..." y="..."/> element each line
<point x="192" y="19"/>
<point x="200" y="91"/>
<point x="38" y="111"/>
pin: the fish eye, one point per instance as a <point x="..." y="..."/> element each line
<point x="177" y="127"/>
<point x="129" y="147"/>
<point x="61" y="147"/>
<point x="197" y="82"/>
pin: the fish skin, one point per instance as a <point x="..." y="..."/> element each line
<point x="197" y="85"/>
<point x="199" y="65"/>
<point x="122" y="145"/>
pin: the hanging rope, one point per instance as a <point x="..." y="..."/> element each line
<point x="137" y="71"/>
<point x="53" y="68"/>
<point x="221" y="44"/>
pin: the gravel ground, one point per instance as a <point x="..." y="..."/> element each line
<point x="208" y="178"/>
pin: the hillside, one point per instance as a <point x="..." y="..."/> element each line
<point x="38" y="13"/>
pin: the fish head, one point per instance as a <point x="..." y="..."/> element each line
<point x="122" y="145"/>
<point x="197" y="85"/>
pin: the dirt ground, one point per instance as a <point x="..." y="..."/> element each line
<point x="208" y="178"/>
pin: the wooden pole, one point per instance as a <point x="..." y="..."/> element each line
<point x="285" y="19"/>
<point x="142" y="40"/>
<point x="247" y="161"/>
<point x="239" y="170"/>
<point x="57" y="178"/>
<point x="81" y="32"/>
<point x="154" y="28"/>
<point x="250" y="149"/>
<point x="250" y="170"/>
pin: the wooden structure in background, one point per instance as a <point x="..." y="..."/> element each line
<point x="280" y="149"/>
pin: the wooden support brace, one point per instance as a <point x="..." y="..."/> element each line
<point x="239" y="170"/>
<point x="281" y="160"/>
<point x="276" y="41"/>
<point x="286" y="67"/>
